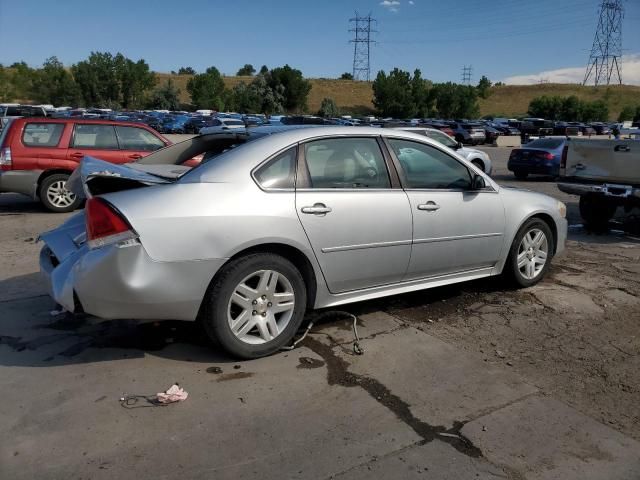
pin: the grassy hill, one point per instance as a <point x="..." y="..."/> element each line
<point x="506" y="100"/>
<point x="513" y="100"/>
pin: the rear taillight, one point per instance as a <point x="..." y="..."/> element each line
<point x="105" y="225"/>
<point x="548" y="156"/>
<point x="5" y="157"/>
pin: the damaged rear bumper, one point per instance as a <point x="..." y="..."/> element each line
<point x="122" y="281"/>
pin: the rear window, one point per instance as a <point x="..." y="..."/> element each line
<point x="551" y="143"/>
<point x="233" y="122"/>
<point x="42" y="134"/>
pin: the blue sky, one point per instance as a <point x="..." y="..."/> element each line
<point x="503" y="39"/>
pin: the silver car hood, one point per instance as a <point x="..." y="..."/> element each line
<point x="131" y="175"/>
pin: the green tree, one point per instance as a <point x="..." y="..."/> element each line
<point x="549" y="107"/>
<point x="165" y="97"/>
<point x="455" y="101"/>
<point x="7" y="93"/>
<point x="97" y="79"/>
<point x="246" y="71"/>
<point x="392" y="94"/>
<point x="22" y="77"/>
<point x="263" y="70"/>
<point x="206" y="89"/>
<point x="186" y="71"/>
<point x="54" y="84"/>
<point x="627" y="113"/>
<point x="328" y="108"/>
<point x="257" y="97"/>
<point x="483" y="87"/>
<point x="571" y="110"/>
<point x="596" y="111"/>
<point x="134" y="79"/>
<point x="296" y="88"/>
<point x="346" y="76"/>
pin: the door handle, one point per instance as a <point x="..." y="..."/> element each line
<point x="622" y="148"/>
<point x="579" y="166"/>
<point x="317" y="209"/>
<point x="135" y="156"/>
<point x="77" y="155"/>
<point x="429" y="206"/>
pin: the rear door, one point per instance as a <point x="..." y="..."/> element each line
<point x="137" y="142"/>
<point x="455" y="229"/>
<point x="358" y="224"/>
<point x="95" y="140"/>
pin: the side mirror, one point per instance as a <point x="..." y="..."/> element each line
<point x="478" y="183"/>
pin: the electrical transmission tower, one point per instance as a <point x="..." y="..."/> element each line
<point x="466" y="74"/>
<point x="362" y="46"/>
<point x="604" y="59"/>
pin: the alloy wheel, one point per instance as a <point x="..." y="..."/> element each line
<point x="59" y="196"/>
<point x="261" y="306"/>
<point x="533" y="252"/>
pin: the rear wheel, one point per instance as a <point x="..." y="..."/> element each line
<point x="54" y="195"/>
<point x="530" y="254"/>
<point x="596" y="212"/>
<point x="255" y="306"/>
<point x="520" y="174"/>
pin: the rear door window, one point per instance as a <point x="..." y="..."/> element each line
<point x="102" y="137"/>
<point x="346" y="163"/>
<point x="42" y="134"/>
<point x="139" y="139"/>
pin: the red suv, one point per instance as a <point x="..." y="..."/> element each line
<point x="37" y="155"/>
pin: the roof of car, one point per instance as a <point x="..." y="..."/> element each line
<point x="97" y="121"/>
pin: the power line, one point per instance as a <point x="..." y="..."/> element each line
<point x="466" y="74"/>
<point x="362" y="46"/>
<point x="604" y="59"/>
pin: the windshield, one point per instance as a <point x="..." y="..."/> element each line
<point x="443" y="138"/>
<point x="549" y="143"/>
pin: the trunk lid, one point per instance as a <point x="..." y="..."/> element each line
<point x="96" y="177"/>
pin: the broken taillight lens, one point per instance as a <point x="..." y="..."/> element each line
<point x="105" y="225"/>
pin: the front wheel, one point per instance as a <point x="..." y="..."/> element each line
<point x="255" y="306"/>
<point x="54" y="194"/>
<point x="596" y="211"/>
<point x="530" y="254"/>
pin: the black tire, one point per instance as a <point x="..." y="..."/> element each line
<point x="596" y="211"/>
<point x="47" y="190"/>
<point x="520" y="174"/>
<point x="478" y="163"/>
<point x="216" y="304"/>
<point x="511" y="270"/>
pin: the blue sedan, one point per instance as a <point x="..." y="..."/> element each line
<point x="541" y="156"/>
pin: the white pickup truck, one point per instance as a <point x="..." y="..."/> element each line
<point x="606" y="175"/>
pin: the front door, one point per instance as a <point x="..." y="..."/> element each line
<point x="455" y="228"/>
<point x="358" y="225"/>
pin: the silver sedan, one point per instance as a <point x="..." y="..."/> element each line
<point x="271" y="224"/>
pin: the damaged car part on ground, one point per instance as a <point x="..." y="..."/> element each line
<point x="303" y="219"/>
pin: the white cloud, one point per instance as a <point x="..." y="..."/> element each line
<point x="411" y="2"/>
<point x="630" y="73"/>
<point x="391" y="5"/>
